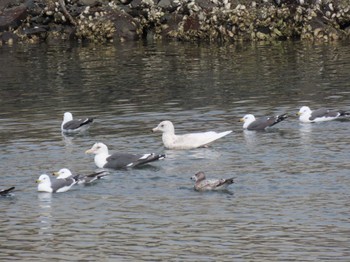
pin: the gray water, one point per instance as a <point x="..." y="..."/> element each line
<point x="290" y="200"/>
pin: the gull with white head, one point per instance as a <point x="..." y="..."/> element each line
<point x="186" y="141"/>
<point x="45" y="184"/>
<point x="70" y="125"/>
<point x="262" y="123"/>
<point x="306" y="115"/>
<point x="64" y="173"/>
<point x="120" y="160"/>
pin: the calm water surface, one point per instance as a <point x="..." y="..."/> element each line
<point x="291" y="197"/>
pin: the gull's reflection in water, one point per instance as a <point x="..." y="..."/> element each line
<point x="250" y="138"/>
<point x="45" y="216"/>
<point x="68" y="140"/>
<point x="305" y="132"/>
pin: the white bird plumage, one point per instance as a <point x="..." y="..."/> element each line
<point x="120" y="160"/>
<point x="306" y="115"/>
<point x="64" y="173"/>
<point x="45" y="184"/>
<point x="75" y="126"/>
<point x="262" y="123"/>
<point x="186" y="141"/>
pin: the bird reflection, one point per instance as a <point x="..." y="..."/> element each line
<point x="45" y="216"/>
<point x="250" y="138"/>
<point x="67" y="139"/>
<point x="305" y="133"/>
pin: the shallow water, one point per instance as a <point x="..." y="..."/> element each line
<point x="290" y="200"/>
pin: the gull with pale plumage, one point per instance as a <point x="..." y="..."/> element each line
<point x="186" y="141"/>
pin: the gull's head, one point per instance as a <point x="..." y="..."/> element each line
<point x="165" y="127"/>
<point x="43" y="179"/>
<point x="67" y="117"/>
<point x="97" y="148"/>
<point x="63" y="173"/>
<point x="304" y="110"/>
<point x="198" y="177"/>
<point x="248" y="118"/>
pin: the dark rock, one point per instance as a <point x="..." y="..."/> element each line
<point x="206" y="5"/>
<point x="6" y="37"/>
<point x="126" y="27"/>
<point x="172" y="21"/>
<point x="37" y="30"/>
<point x="263" y="29"/>
<point x="60" y="33"/>
<point x="91" y="3"/>
<point x="168" y="5"/>
<point x="192" y="23"/>
<point x="76" y="10"/>
<point x="12" y="17"/>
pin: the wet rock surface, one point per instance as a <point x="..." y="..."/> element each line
<point x="188" y="20"/>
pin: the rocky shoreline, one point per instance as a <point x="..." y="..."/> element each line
<point x="100" y="21"/>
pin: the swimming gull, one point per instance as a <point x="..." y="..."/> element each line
<point x="306" y="115"/>
<point x="251" y="123"/>
<point x="186" y="141"/>
<point x="82" y="179"/>
<point x="45" y="184"/>
<point x="6" y="192"/>
<point x="203" y="184"/>
<point x="119" y="160"/>
<point x="70" y="125"/>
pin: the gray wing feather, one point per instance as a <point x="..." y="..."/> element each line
<point x="76" y="123"/>
<point x="124" y="160"/>
<point x="319" y="113"/>
<point x="261" y="123"/>
<point x="56" y="184"/>
<point x="266" y="121"/>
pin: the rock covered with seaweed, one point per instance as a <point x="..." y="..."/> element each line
<point x="188" y="20"/>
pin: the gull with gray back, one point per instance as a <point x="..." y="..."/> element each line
<point x="262" y="123"/>
<point x="82" y="179"/>
<point x="306" y="115"/>
<point x="45" y="184"/>
<point x="120" y="160"/>
<point x="70" y="125"/>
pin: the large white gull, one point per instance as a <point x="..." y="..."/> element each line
<point x="203" y="184"/>
<point x="120" y="160"/>
<point x="45" y="184"/>
<point x="70" y="125"/>
<point x="306" y="115"/>
<point x="186" y="141"/>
